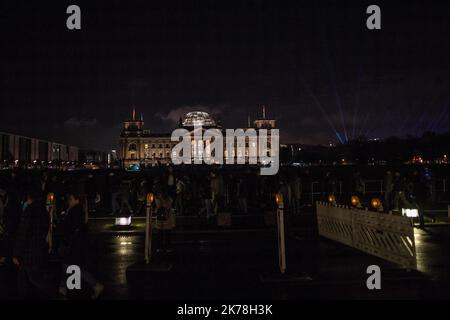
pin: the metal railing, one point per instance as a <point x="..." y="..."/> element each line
<point x="387" y="236"/>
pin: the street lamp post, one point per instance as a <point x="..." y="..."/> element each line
<point x="148" y="227"/>
<point x="281" y="234"/>
<point x="149" y="265"/>
<point x="50" y="206"/>
<point x="282" y="276"/>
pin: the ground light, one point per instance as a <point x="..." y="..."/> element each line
<point x="410" y="213"/>
<point x="123" y="221"/>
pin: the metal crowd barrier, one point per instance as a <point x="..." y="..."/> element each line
<point x="387" y="236"/>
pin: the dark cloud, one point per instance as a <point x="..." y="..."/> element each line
<point x="75" y="122"/>
<point x="227" y="58"/>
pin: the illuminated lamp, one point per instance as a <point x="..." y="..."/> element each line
<point x="123" y="221"/>
<point x="50" y="198"/>
<point x="355" y="201"/>
<point x="150" y="198"/>
<point x="375" y="203"/>
<point x="279" y="199"/>
<point x="331" y="199"/>
<point x="410" y="213"/>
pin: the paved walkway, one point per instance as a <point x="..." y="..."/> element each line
<point x="227" y="264"/>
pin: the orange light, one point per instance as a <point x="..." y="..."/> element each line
<point x="150" y="198"/>
<point x="279" y="199"/>
<point x="331" y="198"/>
<point x="355" y="201"/>
<point x="51" y="197"/>
<point x="376" y="203"/>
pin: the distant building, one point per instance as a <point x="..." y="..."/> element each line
<point x="17" y="148"/>
<point x="264" y="123"/>
<point x="139" y="146"/>
<point x="93" y="156"/>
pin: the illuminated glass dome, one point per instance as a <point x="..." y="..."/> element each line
<point x="198" y="118"/>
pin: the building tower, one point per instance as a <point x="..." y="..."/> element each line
<point x="264" y="123"/>
<point x="130" y="147"/>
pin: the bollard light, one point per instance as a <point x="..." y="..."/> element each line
<point x="331" y="199"/>
<point x="355" y="201"/>
<point x="376" y="203"/>
<point x="50" y="198"/>
<point x="279" y="199"/>
<point x="410" y="213"/>
<point x="150" y="198"/>
<point x="123" y="221"/>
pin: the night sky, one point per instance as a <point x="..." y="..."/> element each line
<point x="321" y="73"/>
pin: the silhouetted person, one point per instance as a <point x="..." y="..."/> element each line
<point x="215" y="192"/>
<point x="388" y="188"/>
<point x="242" y="194"/>
<point x="91" y="192"/>
<point x="179" y="200"/>
<point x="113" y="188"/>
<point x="296" y="187"/>
<point x="2" y="227"/>
<point x="126" y="197"/>
<point x="164" y="221"/>
<point x="74" y="246"/>
<point x="9" y="223"/>
<point x="30" y="252"/>
<point x="358" y="184"/>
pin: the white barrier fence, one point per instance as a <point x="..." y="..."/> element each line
<point x="386" y="236"/>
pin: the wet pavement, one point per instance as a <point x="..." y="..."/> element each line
<point x="227" y="264"/>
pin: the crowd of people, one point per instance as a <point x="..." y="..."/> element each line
<point x="413" y="190"/>
<point x="32" y="229"/>
<point x="30" y="232"/>
<point x="27" y="241"/>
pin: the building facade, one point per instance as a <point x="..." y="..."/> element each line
<point x="17" y="148"/>
<point x="140" y="147"/>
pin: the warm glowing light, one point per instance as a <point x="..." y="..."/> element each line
<point x="355" y="201"/>
<point x="331" y="198"/>
<point x="50" y="197"/>
<point x="123" y="221"/>
<point x="376" y="203"/>
<point x="150" y="198"/>
<point x="279" y="199"/>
